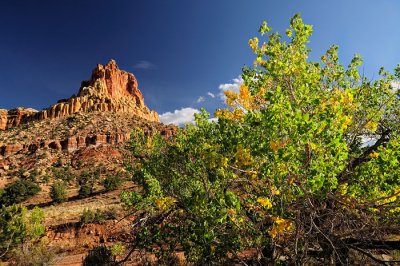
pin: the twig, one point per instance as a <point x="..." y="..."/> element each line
<point x="369" y="255"/>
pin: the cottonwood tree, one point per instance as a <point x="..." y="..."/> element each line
<point x="302" y="167"/>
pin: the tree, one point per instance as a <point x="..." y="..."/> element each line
<point x="302" y="167"/>
<point x="18" y="191"/>
<point x="112" y="182"/>
<point x="17" y="226"/>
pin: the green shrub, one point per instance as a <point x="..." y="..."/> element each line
<point x="35" y="223"/>
<point x="117" y="249"/>
<point x="88" y="216"/>
<point x="58" y="191"/>
<point x="46" y="179"/>
<point x="34" y="254"/>
<point x="18" y="191"/>
<point x="85" y="190"/>
<point x="112" y="182"/>
<point x="17" y="226"/>
<point x="86" y="183"/>
<point x="63" y="173"/>
<point x="98" y="216"/>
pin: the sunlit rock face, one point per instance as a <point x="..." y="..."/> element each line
<point x="108" y="90"/>
<point x="14" y="117"/>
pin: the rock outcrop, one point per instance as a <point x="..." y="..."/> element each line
<point x="73" y="143"/>
<point x="3" y="119"/>
<point x="14" y="117"/>
<point x="109" y="90"/>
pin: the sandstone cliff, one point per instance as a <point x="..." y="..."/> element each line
<point x="108" y="90"/>
<point x="14" y="117"/>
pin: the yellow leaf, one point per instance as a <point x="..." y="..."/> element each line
<point x="275" y="191"/>
<point x="243" y="157"/>
<point x="264" y="46"/>
<point x="165" y="203"/>
<point x="244" y="92"/>
<point x="371" y="126"/>
<point x="265" y="202"/>
<point x="253" y="43"/>
<point x="347" y="121"/>
<point x="231" y="211"/>
<point x="274" y="145"/>
<point x="280" y="226"/>
<point x="374" y="154"/>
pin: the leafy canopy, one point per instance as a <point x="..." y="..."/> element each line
<point x="305" y="156"/>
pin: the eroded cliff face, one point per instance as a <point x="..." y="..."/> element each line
<point x="108" y="90"/>
<point x="14" y="117"/>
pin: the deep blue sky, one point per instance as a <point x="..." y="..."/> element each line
<point x="48" y="47"/>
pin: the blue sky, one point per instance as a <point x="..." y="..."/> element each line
<point x="179" y="50"/>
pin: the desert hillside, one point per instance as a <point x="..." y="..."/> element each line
<point x="77" y="139"/>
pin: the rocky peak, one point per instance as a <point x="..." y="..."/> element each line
<point x="112" y="82"/>
<point x="108" y="90"/>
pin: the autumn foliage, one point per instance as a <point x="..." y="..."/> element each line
<point x="302" y="167"/>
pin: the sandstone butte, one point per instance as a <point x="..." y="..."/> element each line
<point x="109" y="89"/>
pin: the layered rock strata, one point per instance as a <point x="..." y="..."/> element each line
<point x="73" y="143"/>
<point x="109" y="90"/>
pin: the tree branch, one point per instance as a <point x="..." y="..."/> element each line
<point x="364" y="157"/>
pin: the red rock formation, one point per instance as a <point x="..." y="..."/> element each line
<point x="3" y="119"/>
<point x="11" y="149"/>
<point x="113" y="82"/>
<point x="14" y="117"/>
<point x="169" y="131"/>
<point x="80" y="142"/>
<point x="55" y="145"/>
<point x="75" y="143"/>
<point x="100" y="139"/>
<point x="70" y="144"/>
<point x="109" y="90"/>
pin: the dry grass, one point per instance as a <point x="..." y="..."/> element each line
<point x="71" y="211"/>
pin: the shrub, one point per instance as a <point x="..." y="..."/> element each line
<point x="97" y="216"/>
<point x="63" y="173"/>
<point x="58" y="191"/>
<point x="97" y="256"/>
<point x="112" y="182"/>
<point x="18" y="191"/>
<point x="46" y="179"/>
<point x="86" y="183"/>
<point x="34" y="254"/>
<point x="85" y="190"/>
<point x="117" y="249"/>
<point x="87" y="216"/>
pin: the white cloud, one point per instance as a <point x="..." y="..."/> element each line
<point x="179" y="117"/>
<point x="396" y="85"/>
<point x="200" y="99"/>
<point x="367" y="141"/>
<point x="212" y="95"/>
<point x="234" y="86"/>
<point x="143" y="64"/>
